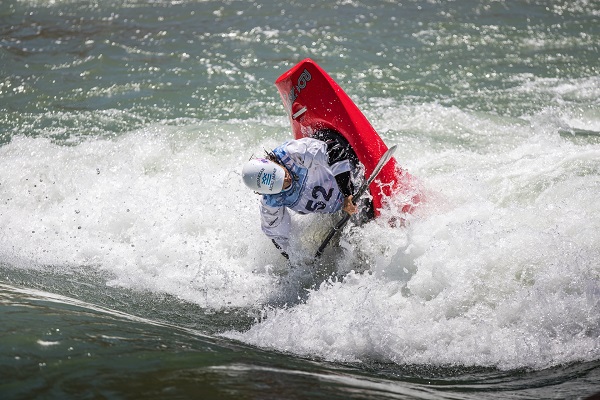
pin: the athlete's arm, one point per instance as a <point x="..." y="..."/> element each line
<point x="338" y="158"/>
<point x="275" y="223"/>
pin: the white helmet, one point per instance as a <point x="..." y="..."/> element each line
<point x="263" y="176"/>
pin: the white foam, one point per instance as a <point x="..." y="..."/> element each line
<point x="161" y="209"/>
<point x="501" y="267"/>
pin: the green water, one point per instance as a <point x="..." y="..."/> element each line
<point x="131" y="260"/>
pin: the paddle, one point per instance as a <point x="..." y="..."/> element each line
<point x="382" y="161"/>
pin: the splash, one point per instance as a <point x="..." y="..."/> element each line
<point x="499" y="267"/>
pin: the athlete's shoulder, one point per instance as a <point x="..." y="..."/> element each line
<point x="273" y="200"/>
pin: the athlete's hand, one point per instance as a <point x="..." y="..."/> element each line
<point x="349" y="206"/>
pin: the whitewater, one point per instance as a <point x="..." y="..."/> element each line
<point x="132" y="262"/>
<point x="499" y="267"/>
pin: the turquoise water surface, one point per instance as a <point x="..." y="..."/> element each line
<point x="132" y="264"/>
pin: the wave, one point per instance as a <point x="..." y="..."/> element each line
<point x="498" y="268"/>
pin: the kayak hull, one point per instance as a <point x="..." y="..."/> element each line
<point x="315" y="102"/>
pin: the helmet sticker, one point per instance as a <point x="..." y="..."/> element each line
<point x="258" y="177"/>
<point x="268" y="179"/>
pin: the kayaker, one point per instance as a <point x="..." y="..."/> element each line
<point x="307" y="175"/>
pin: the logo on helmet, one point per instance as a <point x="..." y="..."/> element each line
<point x="258" y="177"/>
<point x="267" y="179"/>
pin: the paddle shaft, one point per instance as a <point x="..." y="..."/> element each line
<point x="382" y="161"/>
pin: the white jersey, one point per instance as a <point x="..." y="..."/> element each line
<point x="314" y="188"/>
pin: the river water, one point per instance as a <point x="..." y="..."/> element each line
<point x="132" y="264"/>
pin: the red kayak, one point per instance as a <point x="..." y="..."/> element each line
<point x="315" y="102"/>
